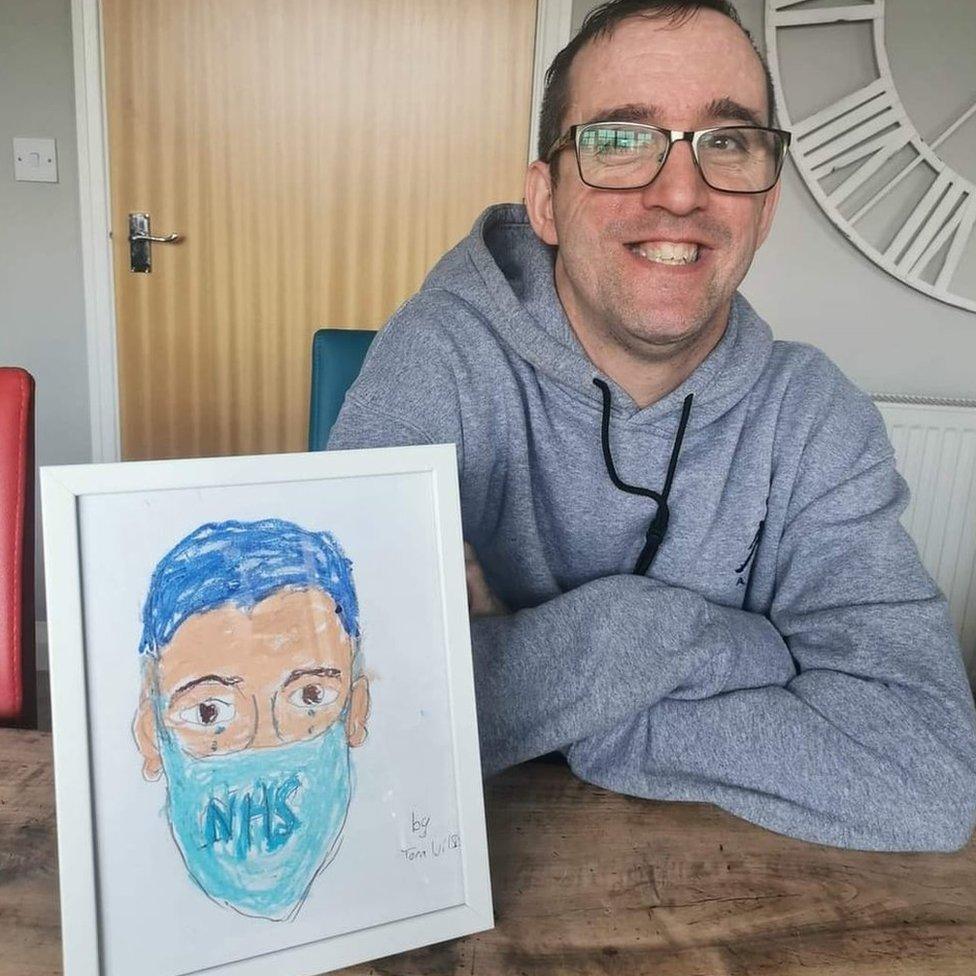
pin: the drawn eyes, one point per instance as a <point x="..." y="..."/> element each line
<point x="209" y="712"/>
<point x="202" y="716"/>
<point x="313" y="695"/>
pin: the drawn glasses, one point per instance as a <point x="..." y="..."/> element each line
<point x="629" y="155"/>
<point x="216" y="719"/>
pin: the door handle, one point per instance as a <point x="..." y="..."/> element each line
<point x="168" y="239"/>
<point x="140" y="241"/>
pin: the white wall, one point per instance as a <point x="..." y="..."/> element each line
<point x="42" y="326"/>
<point x="813" y="286"/>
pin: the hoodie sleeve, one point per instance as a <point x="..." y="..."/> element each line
<point x="872" y="743"/>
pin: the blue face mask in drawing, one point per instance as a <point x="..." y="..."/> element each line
<point x="255" y="827"/>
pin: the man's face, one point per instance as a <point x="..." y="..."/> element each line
<point x="231" y="680"/>
<point x="701" y="74"/>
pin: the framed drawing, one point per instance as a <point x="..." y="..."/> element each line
<point x="265" y="744"/>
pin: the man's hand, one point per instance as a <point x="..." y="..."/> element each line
<point x="481" y="601"/>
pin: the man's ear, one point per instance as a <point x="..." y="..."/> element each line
<point x="766" y="215"/>
<point x="539" y="202"/>
<point x="358" y="711"/>
<point x="144" y="731"/>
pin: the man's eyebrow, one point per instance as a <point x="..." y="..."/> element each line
<point x="632" y="112"/>
<point x="305" y="672"/>
<point x="728" y="108"/>
<point x="219" y="678"/>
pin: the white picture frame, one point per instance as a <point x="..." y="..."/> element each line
<point x="378" y="496"/>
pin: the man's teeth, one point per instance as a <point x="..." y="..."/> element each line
<point x="666" y="252"/>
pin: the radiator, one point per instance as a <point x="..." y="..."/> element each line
<point x="935" y="448"/>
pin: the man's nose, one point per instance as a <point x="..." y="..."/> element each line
<point x="678" y="187"/>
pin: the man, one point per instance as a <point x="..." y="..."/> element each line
<point x="252" y="695"/>
<point x="695" y="527"/>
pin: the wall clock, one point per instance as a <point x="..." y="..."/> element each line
<point x="889" y="189"/>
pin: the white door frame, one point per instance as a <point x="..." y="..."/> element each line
<point x="96" y="226"/>
<point x="553" y="28"/>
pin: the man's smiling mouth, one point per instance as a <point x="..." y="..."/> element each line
<point x="666" y="252"/>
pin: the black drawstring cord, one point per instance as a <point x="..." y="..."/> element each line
<point x="659" y="524"/>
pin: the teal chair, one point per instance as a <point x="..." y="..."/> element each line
<point x="337" y="357"/>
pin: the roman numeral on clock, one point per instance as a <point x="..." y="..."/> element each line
<point x="784" y="17"/>
<point x="946" y="211"/>
<point x="831" y="138"/>
<point x="869" y="124"/>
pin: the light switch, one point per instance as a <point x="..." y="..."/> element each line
<point x="35" y="160"/>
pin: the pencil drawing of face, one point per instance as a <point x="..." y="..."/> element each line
<point x="252" y="695"/>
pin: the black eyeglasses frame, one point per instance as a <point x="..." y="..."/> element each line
<point x="572" y="137"/>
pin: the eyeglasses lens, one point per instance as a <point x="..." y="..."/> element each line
<point x="622" y="156"/>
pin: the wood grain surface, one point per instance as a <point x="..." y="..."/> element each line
<point x="588" y="882"/>
<point x="30" y="922"/>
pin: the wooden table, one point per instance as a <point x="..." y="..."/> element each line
<point x="589" y="882"/>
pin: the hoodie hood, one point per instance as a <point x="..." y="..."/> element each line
<point x="505" y="273"/>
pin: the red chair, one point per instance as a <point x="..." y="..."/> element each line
<point x="18" y="688"/>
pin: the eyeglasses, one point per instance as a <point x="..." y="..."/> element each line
<point x="629" y="155"/>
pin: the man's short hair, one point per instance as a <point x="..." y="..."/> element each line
<point x="242" y="563"/>
<point x="601" y="22"/>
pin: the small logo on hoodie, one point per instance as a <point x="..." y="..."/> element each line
<point x="750" y="555"/>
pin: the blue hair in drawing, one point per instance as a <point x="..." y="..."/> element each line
<point x="241" y="563"/>
<point x="251" y="700"/>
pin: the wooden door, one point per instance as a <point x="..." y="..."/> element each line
<point x="317" y="156"/>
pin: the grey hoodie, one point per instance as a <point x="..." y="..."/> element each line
<point x="785" y="656"/>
